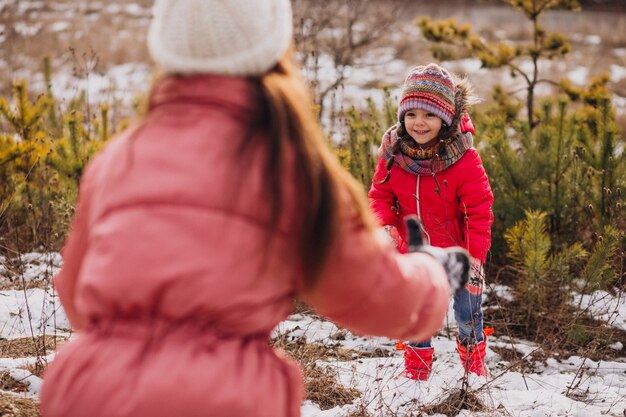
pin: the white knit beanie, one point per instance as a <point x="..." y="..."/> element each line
<point x="230" y="37"/>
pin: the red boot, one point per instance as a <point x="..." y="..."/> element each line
<point x="475" y="363"/>
<point x="418" y="362"/>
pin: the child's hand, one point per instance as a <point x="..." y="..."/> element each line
<point x="476" y="277"/>
<point x="393" y="234"/>
<point x="466" y="124"/>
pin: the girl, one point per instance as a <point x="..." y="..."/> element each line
<point x="428" y="167"/>
<point x="196" y="230"/>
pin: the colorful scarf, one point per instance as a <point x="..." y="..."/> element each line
<point x="455" y="147"/>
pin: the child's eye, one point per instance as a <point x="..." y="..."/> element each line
<point x="430" y="114"/>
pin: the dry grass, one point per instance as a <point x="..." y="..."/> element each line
<point x="321" y="382"/>
<point x="13" y="406"/>
<point x="8" y="383"/>
<point x="563" y="332"/>
<point x="299" y="307"/>
<point x="322" y="388"/>
<point x="456" y="401"/>
<point x="28" y="346"/>
<point x="305" y="352"/>
<point x="26" y="274"/>
<point x="11" y="283"/>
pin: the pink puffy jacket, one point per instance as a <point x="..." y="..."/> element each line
<point x="454" y="205"/>
<point x="165" y="278"/>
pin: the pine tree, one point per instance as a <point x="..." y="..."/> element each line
<point x="453" y="41"/>
<point x="545" y="279"/>
<point x="365" y="131"/>
<point x="40" y="167"/>
<point x="562" y="158"/>
<point x="24" y="116"/>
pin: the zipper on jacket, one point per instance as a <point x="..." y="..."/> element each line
<point x="419" y="212"/>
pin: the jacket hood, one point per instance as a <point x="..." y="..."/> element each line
<point x="463" y="100"/>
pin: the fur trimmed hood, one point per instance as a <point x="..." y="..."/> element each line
<point x="463" y="100"/>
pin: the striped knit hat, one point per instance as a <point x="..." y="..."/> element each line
<point x="429" y="88"/>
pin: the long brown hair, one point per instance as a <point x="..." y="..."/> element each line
<point x="290" y="120"/>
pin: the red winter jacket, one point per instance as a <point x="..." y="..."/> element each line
<point x="454" y="205"/>
<point x="175" y="288"/>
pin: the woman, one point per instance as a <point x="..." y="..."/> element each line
<point x="196" y="229"/>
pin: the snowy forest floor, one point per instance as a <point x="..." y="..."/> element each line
<point x="348" y="375"/>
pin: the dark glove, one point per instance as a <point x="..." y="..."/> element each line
<point x="455" y="260"/>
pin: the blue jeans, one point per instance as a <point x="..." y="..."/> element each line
<point x="469" y="318"/>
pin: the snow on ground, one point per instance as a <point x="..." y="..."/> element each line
<point x="604" y="307"/>
<point x="594" y="388"/>
<point x="119" y="86"/>
<point x="572" y="386"/>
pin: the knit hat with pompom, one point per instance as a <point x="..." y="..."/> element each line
<point x="430" y="88"/>
<point x="227" y="37"/>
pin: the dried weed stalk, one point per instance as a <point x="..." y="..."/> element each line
<point x="456" y="401"/>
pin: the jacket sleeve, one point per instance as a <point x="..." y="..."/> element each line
<point x="476" y="201"/>
<point x="74" y="251"/>
<point x="382" y="197"/>
<point x="371" y="289"/>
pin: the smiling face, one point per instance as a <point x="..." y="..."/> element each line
<point x="421" y="125"/>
